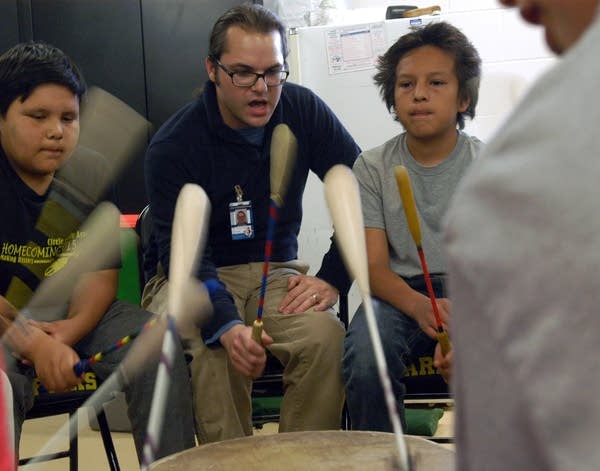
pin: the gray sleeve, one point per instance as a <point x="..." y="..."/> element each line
<point x="371" y="195"/>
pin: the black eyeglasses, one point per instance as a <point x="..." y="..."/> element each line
<point x="246" y="78"/>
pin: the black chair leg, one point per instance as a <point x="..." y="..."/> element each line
<point x="73" y="441"/>
<point x="109" y="447"/>
<point x="343" y="314"/>
<point x="345" y="417"/>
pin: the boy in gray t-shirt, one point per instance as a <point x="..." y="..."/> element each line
<point x="430" y="80"/>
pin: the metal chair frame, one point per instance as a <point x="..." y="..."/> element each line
<point x="50" y="404"/>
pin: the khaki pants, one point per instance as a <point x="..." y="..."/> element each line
<point x="309" y="345"/>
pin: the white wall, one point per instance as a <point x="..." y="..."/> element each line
<point x="513" y="55"/>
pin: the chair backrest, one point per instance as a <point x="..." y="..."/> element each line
<point x="130" y="276"/>
<point x="147" y="254"/>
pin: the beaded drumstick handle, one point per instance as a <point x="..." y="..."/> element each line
<point x="84" y="365"/>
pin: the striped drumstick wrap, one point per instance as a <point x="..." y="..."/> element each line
<point x="284" y="147"/>
<point x="257" y="327"/>
<point x="442" y="335"/>
<point x="84" y="365"/>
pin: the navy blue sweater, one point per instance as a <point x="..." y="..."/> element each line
<point x="196" y="146"/>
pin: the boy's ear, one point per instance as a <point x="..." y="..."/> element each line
<point x="463" y="104"/>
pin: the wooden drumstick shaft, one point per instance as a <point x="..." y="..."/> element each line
<point x="92" y="254"/>
<point x="189" y="229"/>
<point x="284" y="148"/>
<point x="98" y="249"/>
<point x="412" y="219"/>
<point x="112" y="128"/>
<point x="187" y="243"/>
<point x="160" y="395"/>
<point x="188" y="302"/>
<point x="145" y="347"/>
<point x="408" y="203"/>
<point x="343" y="200"/>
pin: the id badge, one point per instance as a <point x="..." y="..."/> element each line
<point x="240" y="218"/>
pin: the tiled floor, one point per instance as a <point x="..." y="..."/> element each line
<point x="91" y="452"/>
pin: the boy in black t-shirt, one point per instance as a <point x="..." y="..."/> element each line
<point x="40" y="94"/>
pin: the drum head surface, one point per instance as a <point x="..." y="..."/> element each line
<point x="309" y="451"/>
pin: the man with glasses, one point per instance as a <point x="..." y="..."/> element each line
<point x="221" y="142"/>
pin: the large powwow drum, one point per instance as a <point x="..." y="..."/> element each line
<point x="309" y="451"/>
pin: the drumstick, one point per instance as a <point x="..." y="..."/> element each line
<point x="142" y="353"/>
<point x="112" y="128"/>
<point x="342" y="195"/>
<point x="412" y="218"/>
<point x="190" y="222"/>
<point x="84" y="365"/>
<point x="139" y="356"/>
<point x="187" y="243"/>
<point x="112" y="134"/>
<point x="191" y="303"/>
<point x="189" y="299"/>
<point x="283" y="156"/>
<point x="98" y="249"/>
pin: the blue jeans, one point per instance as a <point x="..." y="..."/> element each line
<point x="403" y="342"/>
